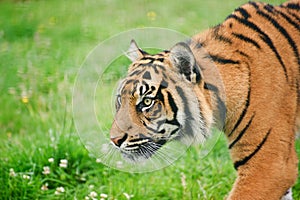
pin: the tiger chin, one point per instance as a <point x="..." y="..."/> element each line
<point x="172" y="96"/>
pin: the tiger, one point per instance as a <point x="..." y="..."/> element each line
<point x="166" y="96"/>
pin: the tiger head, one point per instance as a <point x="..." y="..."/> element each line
<point x="161" y="99"/>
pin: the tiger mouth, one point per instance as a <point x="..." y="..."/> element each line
<point x="141" y="149"/>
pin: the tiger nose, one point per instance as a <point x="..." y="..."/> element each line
<point x="118" y="141"/>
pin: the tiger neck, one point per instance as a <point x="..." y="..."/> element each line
<point x="221" y="67"/>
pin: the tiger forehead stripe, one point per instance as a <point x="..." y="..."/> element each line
<point x="158" y="58"/>
<point x="147" y="75"/>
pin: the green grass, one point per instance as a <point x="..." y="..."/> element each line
<point x="42" y="45"/>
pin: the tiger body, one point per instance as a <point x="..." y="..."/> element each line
<point x="256" y="52"/>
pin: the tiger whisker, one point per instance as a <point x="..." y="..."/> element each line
<point x="154" y="149"/>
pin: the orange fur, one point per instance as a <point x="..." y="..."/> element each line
<point x="256" y="52"/>
<point x="273" y="101"/>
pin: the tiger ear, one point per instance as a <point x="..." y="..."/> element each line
<point x="184" y="61"/>
<point x="134" y="52"/>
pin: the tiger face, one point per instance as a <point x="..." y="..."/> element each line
<point x="156" y="103"/>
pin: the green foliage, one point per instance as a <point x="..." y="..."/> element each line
<point x="42" y="45"/>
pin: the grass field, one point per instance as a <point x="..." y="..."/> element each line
<point x="42" y="46"/>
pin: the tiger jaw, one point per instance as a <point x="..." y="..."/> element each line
<point x="139" y="149"/>
<point x="141" y="146"/>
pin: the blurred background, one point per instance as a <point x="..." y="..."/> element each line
<point x="42" y="46"/>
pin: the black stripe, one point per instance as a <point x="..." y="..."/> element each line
<point x="160" y="59"/>
<point x="246" y="39"/>
<point x="293" y="6"/>
<point x="188" y="127"/>
<point x="294" y="15"/>
<point x="287" y="18"/>
<point x="147" y="86"/>
<point x="136" y="72"/>
<point x="160" y="66"/>
<point x="269" y="8"/>
<point x="164" y="75"/>
<point x="129" y="81"/>
<point x="147" y="75"/>
<point x="241" y="133"/>
<point x="243" y="112"/>
<point x="135" y="83"/>
<point x="245" y="14"/>
<point x="242" y="53"/>
<point x="199" y="45"/>
<point x="265" y="38"/>
<point x="154" y="66"/>
<point x="149" y="128"/>
<point x="221" y="60"/>
<point x="223" y="39"/>
<point x="174" y="122"/>
<point x="239" y="163"/>
<point x="151" y="59"/>
<point x="220" y="103"/>
<point x="141" y="91"/>
<point x="164" y="84"/>
<point x="172" y="80"/>
<point x="219" y="37"/>
<point x="159" y="95"/>
<point x="283" y="32"/>
<point x="229" y="17"/>
<point x="141" y="88"/>
<point x="211" y="87"/>
<point x="155" y="70"/>
<point x="162" y="131"/>
<point x="172" y="105"/>
<point x="174" y="131"/>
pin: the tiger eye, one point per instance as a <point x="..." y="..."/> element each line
<point x="147" y="101"/>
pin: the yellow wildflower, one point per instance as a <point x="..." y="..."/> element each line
<point x="25" y="99"/>
<point x="151" y="15"/>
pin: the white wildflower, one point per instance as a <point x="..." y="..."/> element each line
<point x="26" y="176"/>
<point x="98" y="160"/>
<point x="59" y="190"/>
<point x="46" y="170"/>
<point x="63" y="163"/>
<point x="93" y="194"/>
<point x="103" y="196"/>
<point x="91" y="186"/>
<point x="51" y="160"/>
<point x="44" y="187"/>
<point x="12" y="172"/>
<point x="128" y="196"/>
